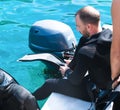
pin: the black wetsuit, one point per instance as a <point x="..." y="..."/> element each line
<point x="13" y="96"/>
<point x="93" y="56"/>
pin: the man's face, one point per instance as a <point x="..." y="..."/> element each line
<point x="81" y="27"/>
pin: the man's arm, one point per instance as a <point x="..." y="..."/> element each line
<point x="76" y="76"/>
<point x="115" y="48"/>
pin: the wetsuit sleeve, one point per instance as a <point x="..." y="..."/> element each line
<point x="73" y="63"/>
<point x="80" y="70"/>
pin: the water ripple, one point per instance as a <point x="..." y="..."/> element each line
<point x="5" y="22"/>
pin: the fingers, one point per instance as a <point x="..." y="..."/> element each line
<point x="67" y="61"/>
<point x="116" y="83"/>
<point x="63" y="69"/>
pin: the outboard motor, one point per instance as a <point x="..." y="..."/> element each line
<point x="51" y="36"/>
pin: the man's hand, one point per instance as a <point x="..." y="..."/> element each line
<point x="116" y="82"/>
<point x="63" y="69"/>
<point x="67" y="61"/>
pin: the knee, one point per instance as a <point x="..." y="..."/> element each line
<point x="30" y="102"/>
<point x="51" y="81"/>
<point x="48" y="81"/>
<point x="30" y="98"/>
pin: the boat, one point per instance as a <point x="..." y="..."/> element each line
<point x="57" y="101"/>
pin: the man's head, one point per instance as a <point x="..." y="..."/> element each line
<point x="88" y="21"/>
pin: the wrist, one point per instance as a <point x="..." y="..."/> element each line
<point x="68" y="72"/>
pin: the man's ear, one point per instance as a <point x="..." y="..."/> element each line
<point x="89" y="27"/>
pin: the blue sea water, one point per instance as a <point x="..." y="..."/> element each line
<point x="16" y="18"/>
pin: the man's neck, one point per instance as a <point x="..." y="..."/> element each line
<point x="96" y="30"/>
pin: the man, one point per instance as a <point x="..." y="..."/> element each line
<point x="115" y="48"/>
<point x="13" y="96"/>
<point x="92" y="55"/>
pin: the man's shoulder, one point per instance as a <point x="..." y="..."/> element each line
<point x="88" y="50"/>
<point x="105" y="36"/>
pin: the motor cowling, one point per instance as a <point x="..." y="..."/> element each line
<point x="51" y="36"/>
